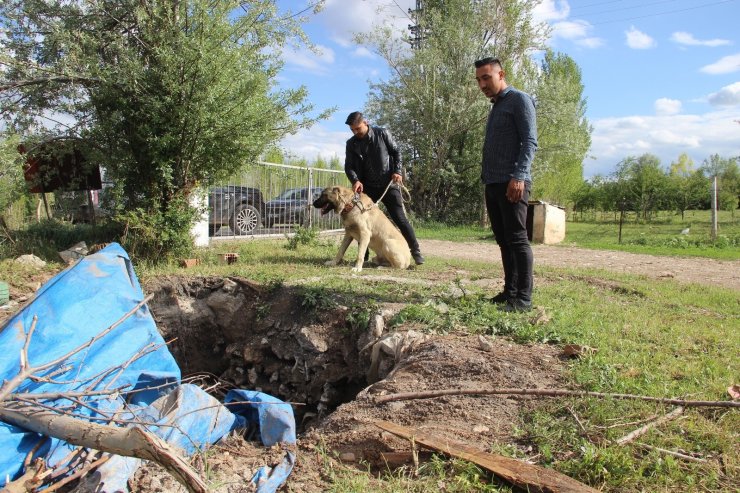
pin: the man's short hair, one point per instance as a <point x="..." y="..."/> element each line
<point x="354" y="118"/>
<point x="488" y="61"/>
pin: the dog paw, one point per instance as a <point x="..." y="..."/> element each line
<point x="356" y="269"/>
<point x="330" y="263"/>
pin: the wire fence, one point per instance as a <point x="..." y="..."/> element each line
<point x="271" y="199"/>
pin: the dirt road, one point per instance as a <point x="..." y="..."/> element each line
<point x="725" y="273"/>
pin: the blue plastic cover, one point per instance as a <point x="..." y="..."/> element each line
<point x="76" y="306"/>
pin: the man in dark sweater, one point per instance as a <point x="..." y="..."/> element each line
<point x="372" y="161"/>
<point x="508" y="150"/>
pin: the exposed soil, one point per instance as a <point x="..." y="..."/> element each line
<point x="725" y="273"/>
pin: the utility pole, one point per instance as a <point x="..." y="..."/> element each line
<point x="417" y="34"/>
<point x="714" y="207"/>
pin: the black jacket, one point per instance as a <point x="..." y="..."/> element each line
<point x="372" y="160"/>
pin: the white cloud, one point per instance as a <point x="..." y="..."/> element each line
<point x="551" y="10"/>
<point x="666" y="136"/>
<point x="317" y="141"/>
<point x="638" y="40"/>
<point x="344" y="19"/>
<point x="363" y="52"/>
<point x="665" y="106"/>
<point x="317" y="62"/>
<point x="724" y="65"/>
<point x="590" y="42"/>
<point x="727" y="96"/>
<point x="688" y="39"/>
<point x="578" y="31"/>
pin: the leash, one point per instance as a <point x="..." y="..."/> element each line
<point x="405" y="197"/>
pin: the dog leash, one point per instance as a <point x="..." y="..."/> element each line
<point x="401" y="187"/>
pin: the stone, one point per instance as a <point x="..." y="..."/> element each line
<point x="30" y="259"/>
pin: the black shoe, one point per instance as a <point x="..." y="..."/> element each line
<point x="499" y="299"/>
<point x="516" y="305"/>
<point x="417" y="258"/>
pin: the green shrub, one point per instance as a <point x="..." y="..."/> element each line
<point x="158" y="236"/>
<point x="302" y="236"/>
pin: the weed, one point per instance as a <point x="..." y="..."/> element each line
<point x="314" y="298"/>
<point x="302" y="236"/>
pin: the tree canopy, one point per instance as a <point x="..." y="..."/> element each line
<point x="166" y="95"/>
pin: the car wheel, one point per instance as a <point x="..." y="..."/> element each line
<point x="245" y="219"/>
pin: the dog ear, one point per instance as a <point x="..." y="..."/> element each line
<point x="336" y="190"/>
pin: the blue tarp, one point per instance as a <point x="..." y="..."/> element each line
<point x="72" y="309"/>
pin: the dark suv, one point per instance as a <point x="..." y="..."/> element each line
<point x="241" y="208"/>
<point x="291" y="207"/>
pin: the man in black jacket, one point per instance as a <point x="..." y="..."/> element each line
<point x="372" y="161"/>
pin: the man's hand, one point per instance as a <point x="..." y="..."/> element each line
<point x="396" y="178"/>
<point x="515" y="190"/>
<point x="357" y="187"/>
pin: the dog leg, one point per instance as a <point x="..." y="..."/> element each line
<point x="342" y="249"/>
<point x="362" y="243"/>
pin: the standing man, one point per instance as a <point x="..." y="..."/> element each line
<point x="508" y="149"/>
<point x="372" y="161"/>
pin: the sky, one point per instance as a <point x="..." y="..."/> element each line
<point x="660" y="76"/>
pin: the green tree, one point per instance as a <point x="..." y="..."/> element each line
<point x="728" y="180"/>
<point x="688" y="187"/>
<point x="431" y="102"/>
<point x="564" y="134"/>
<point x="169" y="94"/>
<point x="643" y="185"/>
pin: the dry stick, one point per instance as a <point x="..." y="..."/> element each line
<point x="407" y="396"/>
<point x="27" y="370"/>
<point x="78" y="474"/>
<point x="644" y="429"/>
<point x="672" y="453"/>
<point x="129" y="442"/>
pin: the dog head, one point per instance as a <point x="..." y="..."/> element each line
<point x="333" y="198"/>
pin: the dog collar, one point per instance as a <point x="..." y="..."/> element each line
<point x="348" y="207"/>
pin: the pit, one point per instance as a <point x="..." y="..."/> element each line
<point x="294" y="343"/>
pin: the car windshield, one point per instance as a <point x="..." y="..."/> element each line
<point x="293" y="194"/>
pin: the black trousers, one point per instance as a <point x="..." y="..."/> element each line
<point x="393" y="202"/>
<point x="509" y="224"/>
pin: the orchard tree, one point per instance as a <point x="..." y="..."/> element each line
<point x="643" y="184"/>
<point x="165" y="94"/>
<point x="688" y="186"/>
<point x="432" y="103"/>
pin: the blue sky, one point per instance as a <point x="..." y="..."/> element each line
<point x="660" y="76"/>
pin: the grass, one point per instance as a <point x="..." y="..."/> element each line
<point x="652" y="337"/>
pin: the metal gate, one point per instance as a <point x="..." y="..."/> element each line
<point x="271" y="199"/>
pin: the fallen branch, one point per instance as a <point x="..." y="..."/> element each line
<point x="678" y="455"/>
<point x="644" y="429"/>
<point x="407" y="396"/>
<point x="129" y="442"/>
<point x="529" y="477"/>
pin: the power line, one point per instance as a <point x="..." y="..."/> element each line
<point x="630" y="7"/>
<point x="667" y="12"/>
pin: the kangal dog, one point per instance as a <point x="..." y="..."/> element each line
<point x="367" y="224"/>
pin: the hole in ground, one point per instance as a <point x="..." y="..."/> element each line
<point x="278" y="340"/>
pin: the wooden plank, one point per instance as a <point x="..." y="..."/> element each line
<point x="527" y="476"/>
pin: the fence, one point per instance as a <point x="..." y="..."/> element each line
<point x="271" y="199"/>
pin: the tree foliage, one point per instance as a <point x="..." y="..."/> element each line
<point x="166" y="95"/>
<point x="431" y="102"/>
<point x="563" y="132"/>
